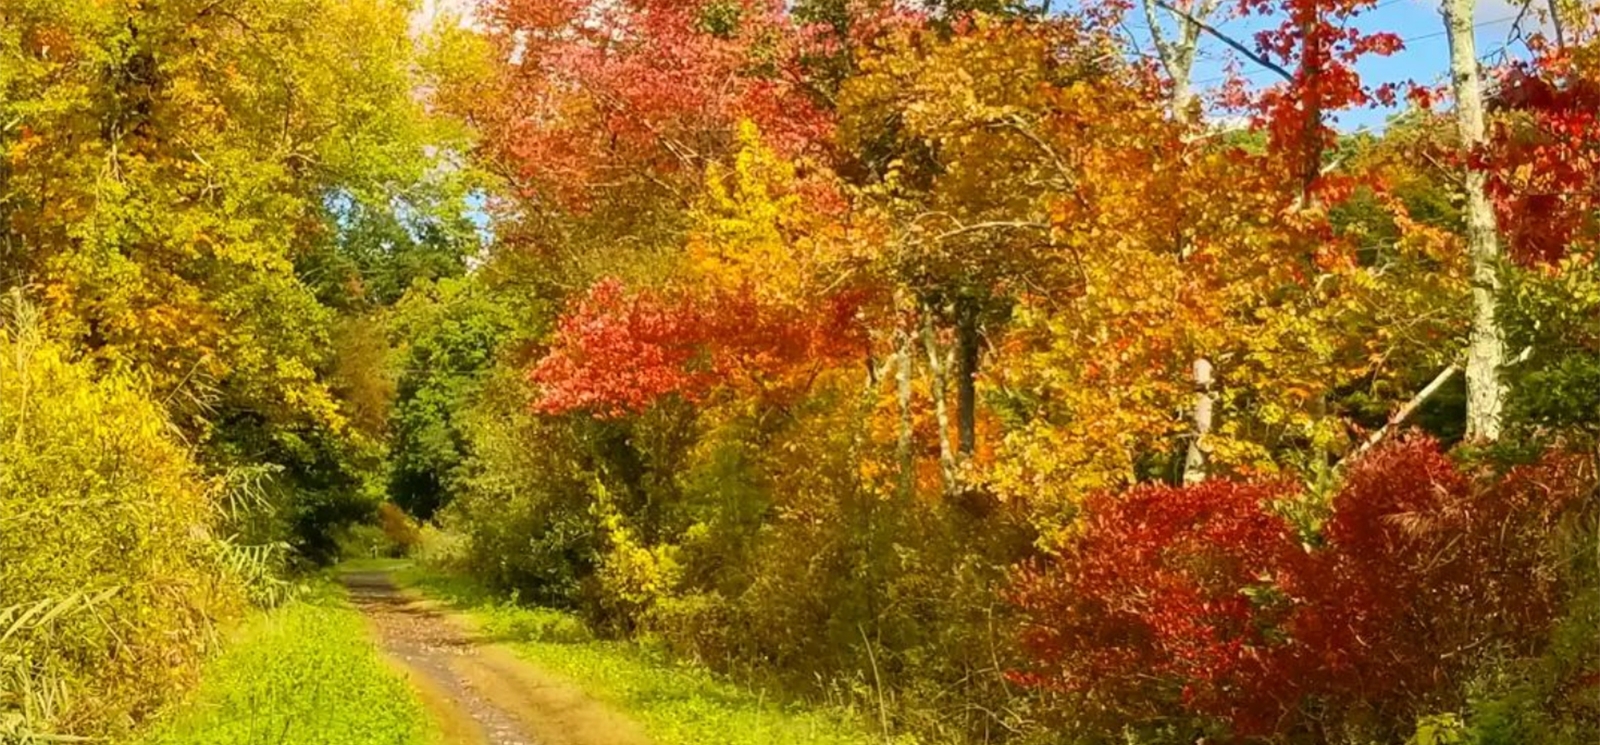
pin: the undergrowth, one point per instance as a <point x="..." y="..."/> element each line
<point x="305" y="674"/>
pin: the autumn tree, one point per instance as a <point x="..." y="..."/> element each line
<point x="199" y="190"/>
<point x="1176" y="47"/>
<point x="1177" y="42"/>
<point x="936" y="125"/>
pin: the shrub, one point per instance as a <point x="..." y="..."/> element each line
<point x="391" y="533"/>
<point x="1202" y="600"/>
<point x="364" y="541"/>
<point x="1429" y="570"/>
<point x="1167" y="595"/>
<point x="762" y="542"/>
<point x="98" y="498"/>
<point x="1553" y="699"/>
<point x="440" y="548"/>
<point x="523" y="512"/>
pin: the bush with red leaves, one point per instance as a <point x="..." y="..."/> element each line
<point x="1427" y="567"/>
<point x="1201" y="600"/>
<point x="1165" y="591"/>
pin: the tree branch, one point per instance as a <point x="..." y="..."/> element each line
<point x="1401" y="415"/>
<point x="1021" y="126"/>
<point x="1224" y="38"/>
<point x="992" y="225"/>
<point x="1156" y="35"/>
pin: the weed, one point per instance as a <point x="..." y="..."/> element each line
<point x="302" y="674"/>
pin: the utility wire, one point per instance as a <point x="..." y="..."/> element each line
<point x="1405" y="41"/>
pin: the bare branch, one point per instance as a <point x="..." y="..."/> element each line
<point x="1226" y="39"/>
<point x="992" y="225"/>
<point x="1401" y="415"/>
<point x="1556" y="21"/>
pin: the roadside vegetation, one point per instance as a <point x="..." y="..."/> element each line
<point x="967" y="371"/>
<point x="678" y="703"/>
<point x="947" y="371"/>
<point x="305" y="673"/>
<point x="111" y="571"/>
<point x="203" y="206"/>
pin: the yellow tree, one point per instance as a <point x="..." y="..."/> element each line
<point x="947" y="140"/>
<point x="1029" y="173"/>
<point x="180" y="177"/>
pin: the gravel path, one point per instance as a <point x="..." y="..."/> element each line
<point x="480" y="692"/>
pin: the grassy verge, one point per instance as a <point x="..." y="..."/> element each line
<point x="676" y="704"/>
<point x="305" y="674"/>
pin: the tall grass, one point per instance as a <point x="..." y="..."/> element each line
<point x="305" y="673"/>
<point x="110" y="576"/>
<point x="32" y="695"/>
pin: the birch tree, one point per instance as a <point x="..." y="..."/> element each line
<point x="1486" y="347"/>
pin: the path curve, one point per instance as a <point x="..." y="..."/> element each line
<point x="479" y="692"/>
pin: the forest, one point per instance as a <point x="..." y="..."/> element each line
<point x="1150" y="372"/>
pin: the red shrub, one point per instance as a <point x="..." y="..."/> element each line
<point x="1166" y="589"/>
<point x="1200" y="599"/>
<point x="1372" y="591"/>
<point x="1424" y="566"/>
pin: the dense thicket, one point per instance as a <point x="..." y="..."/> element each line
<point x="209" y="203"/>
<point x="963" y="362"/>
<point x="210" y="194"/>
<point x="960" y="367"/>
<point x="112" y="574"/>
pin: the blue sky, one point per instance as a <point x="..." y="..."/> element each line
<point x="1424" y="59"/>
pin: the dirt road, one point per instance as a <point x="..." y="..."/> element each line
<point x="480" y="692"/>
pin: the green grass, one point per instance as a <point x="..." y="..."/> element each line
<point x="304" y="674"/>
<point x="677" y="704"/>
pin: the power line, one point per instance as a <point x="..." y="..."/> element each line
<point x="1405" y="41"/>
<point x="1146" y="27"/>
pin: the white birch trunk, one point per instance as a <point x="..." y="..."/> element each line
<point x="1486" y="352"/>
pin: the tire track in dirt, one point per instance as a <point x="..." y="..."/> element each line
<point x="479" y="692"/>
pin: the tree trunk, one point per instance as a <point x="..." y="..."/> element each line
<point x="1558" y="22"/>
<point x="904" y="344"/>
<point x="937" y="369"/>
<point x="1486" y="352"/>
<point x="1177" y="52"/>
<point x="1195" y="463"/>
<point x="1177" y="56"/>
<point x="967" y="341"/>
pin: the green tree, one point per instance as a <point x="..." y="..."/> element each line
<point x="446" y="335"/>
